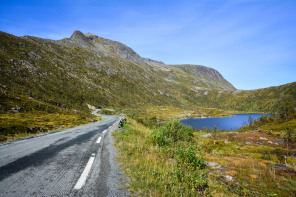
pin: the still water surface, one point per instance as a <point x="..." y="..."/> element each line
<point x="222" y="123"/>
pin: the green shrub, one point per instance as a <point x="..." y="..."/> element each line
<point x="186" y="157"/>
<point x="196" y="180"/>
<point x="148" y="122"/>
<point x="189" y="171"/>
<point x="171" y="132"/>
<point x="189" y="180"/>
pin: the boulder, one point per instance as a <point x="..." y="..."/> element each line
<point x="228" y="178"/>
<point x="16" y="109"/>
<point x="212" y="165"/>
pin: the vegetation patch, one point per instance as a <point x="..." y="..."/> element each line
<point x="150" y="116"/>
<point x="260" y="138"/>
<point x="18" y="125"/>
<point x="175" y="160"/>
<point x="164" y="164"/>
<point x="248" y="164"/>
<point x="281" y="124"/>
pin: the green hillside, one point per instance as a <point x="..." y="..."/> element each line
<point x="41" y="76"/>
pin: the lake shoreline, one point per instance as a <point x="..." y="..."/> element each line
<point x="222" y="123"/>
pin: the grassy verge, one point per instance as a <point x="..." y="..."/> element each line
<point x="167" y="161"/>
<point x="22" y="116"/>
<point x="19" y="125"/>
<point x="159" y="162"/>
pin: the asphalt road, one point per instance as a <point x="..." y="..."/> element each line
<point x="72" y="162"/>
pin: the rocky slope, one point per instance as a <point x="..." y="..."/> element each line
<point x="87" y="69"/>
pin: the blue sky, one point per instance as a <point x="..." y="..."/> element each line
<point x="252" y="43"/>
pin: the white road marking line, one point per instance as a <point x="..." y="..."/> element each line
<point x="99" y="140"/>
<point x="104" y="131"/>
<point x="81" y="181"/>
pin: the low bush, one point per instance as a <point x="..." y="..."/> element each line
<point x="189" y="171"/>
<point x="171" y="132"/>
<point x="148" y="122"/>
<point x="186" y="157"/>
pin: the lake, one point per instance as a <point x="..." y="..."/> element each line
<point x="222" y="123"/>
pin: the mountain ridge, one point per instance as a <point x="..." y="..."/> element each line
<point x="86" y="68"/>
<point x="128" y="53"/>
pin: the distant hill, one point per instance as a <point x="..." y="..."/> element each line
<point x="85" y="69"/>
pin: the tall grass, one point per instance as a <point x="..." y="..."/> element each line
<point x="164" y="160"/>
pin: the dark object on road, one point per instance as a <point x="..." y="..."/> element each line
<point x="121" y="122"/>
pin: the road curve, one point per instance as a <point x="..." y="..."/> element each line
<point x="72" y="162"/>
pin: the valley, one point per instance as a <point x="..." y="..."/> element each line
<point x="60" y="77"/>
<point x="48" y="85"/>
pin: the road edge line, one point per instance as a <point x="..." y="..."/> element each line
<point x="82" y="179"/>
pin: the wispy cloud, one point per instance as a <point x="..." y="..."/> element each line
<point x="243" y="39"/>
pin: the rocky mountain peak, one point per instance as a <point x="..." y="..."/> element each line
<point x="203" y="72"/>
<point x="79" y="38"/>
<point x="91" y="36"/>
<point x="78" y="35"/>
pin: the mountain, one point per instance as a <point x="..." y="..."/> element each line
<point x="46" y="84"/>
<point x="87" y="69"/>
